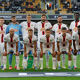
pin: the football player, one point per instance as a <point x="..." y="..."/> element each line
<point x="30" y="44"/>
<point x="76" y="45"/>
<point x="47" y="44"/>
<point x="64" y="41"/>
<point x="2" y="33"/>
<point x="57" y="30"/>
<point x="17" y="28"/>
<point x="11" y="46"/>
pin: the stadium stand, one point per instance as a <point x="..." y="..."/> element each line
<point x="39" y="6"/>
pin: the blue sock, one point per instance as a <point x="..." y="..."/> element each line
<point x="10" y="59"/>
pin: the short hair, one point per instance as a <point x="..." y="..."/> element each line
<point x="28" y="15"/>
<point x="43" y="15"/>
<point x="13" y="17"/>
<point x="30" y="29"/>
<point x="48" y="29"/>
<point x="76" y="13"/>
<point x="1" y="17"/>
<point x="63" y="28"/>
<point x="59" y="16"/>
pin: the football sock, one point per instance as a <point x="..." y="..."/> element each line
<point x="74" y="60"/>
<point x="4" y="61"/>
<point x="10" y="59"/>
<point x="41" y="61"/>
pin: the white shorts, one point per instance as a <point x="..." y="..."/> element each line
<point x="63" y="49"/>
<point x="77" y="47"/>
<point x="1" y="47"/>
<point x="11" y="49"/>
<point x="47" y="49"/>
<point x="30" y="49"/>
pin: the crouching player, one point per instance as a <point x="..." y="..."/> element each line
<point x="64" y="41"/>
<point x="30" y="44"/>
<point x="11" y="46"/>
<point x="47" y="44"/>
<point x="76" y="45"/>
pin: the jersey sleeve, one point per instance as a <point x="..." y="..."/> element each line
<point x="36" y="25"/>
<point x="69" y="37"/>
<point x="17" y="38"/>
<point x="50" y="26"/>
<point x="53" y="28"/>
<point x="70" y="26"/>
<point x="20" y="29"/>
<point x="21" y="23"/>
<point x="5" y="38"/>
<point x="74" y="36"/>
<point x="64" y="25"/>
<point x="52" y="39"/>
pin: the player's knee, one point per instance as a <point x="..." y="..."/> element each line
<point x="4" y="54"/>
<point x="35" y="55"/>
<point x="54" y="54"/>
<point x="58" y="53"/>
<point x="69" y="54"/>
<point x="41" y="55"/>
<point x="16" y="54"/>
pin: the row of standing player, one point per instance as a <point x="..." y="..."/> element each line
<point x="42" y="26"/>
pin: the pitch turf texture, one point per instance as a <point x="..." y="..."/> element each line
<point x="45" y="69"/>
<point x="43" y="78"/>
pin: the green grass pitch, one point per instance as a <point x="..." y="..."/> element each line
<point x="43" y="78"/>
<point x="45" y="69"/>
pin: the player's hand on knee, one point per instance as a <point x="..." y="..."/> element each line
<point x="5" y="53"/>
<point x="58" y="53"/>
<point x="35" y="54"/>
<point x="17" y="53"/>
<point x="54" y="54"/>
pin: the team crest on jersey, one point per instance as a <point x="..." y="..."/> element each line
<point x="31" y="24"/>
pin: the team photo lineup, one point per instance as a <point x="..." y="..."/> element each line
<point x="55" y="40"/>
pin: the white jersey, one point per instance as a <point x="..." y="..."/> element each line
<point x="25" y="26"/>
<point x="57" y="28"/>
<point x="64" y="41"/>
<point x="74" y="25"/>
<point x="76" y="37"/>
<point x="47" y="42"/>
<point x="11" y="42"/>
<point x="30" y="43"/>
<point x="42" y="27"/>
<point x="2" y="28"/>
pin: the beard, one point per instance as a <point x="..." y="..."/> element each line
<point x="43" y="20"/>
<point x="60" y="21"/>
<point x="64" y="34"/>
